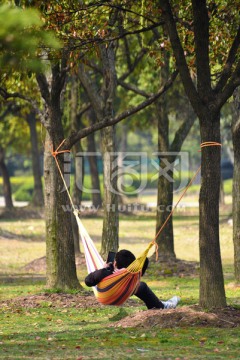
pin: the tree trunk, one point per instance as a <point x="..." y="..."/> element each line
<point x="96" y="193"/>
<point x="77" y="191"/>
<point x="236" y="187"/>
<point x="167" y="156"/>
<point x="61" y="268"/>
<point x="7" y="192"/>
<point x="165" y="239"/>
<point x="38" y="198"/>
<point x="78" y="160"/>
<point x="212" y="293"/>
<point x="110" y="241"/>
<point x="122" y="149"/>
<point x="222" y="195"/>
<point x="236" y="204"/>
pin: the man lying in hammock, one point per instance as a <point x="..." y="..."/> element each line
<point x="123" y="259"/>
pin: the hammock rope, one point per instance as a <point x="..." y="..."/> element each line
<point x="116" y="288"/>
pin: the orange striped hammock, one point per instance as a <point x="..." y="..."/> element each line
<point x="116" y="288"/>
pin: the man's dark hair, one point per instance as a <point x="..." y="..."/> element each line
<point x="124" y="258"/>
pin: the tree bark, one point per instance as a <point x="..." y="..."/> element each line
<point x="207" y="103"/>
<point x="38" y="198"/>
<point x="96" y="193"/>
<point x="61" y="268"/>
<point x="77" y="149"/>
<point x="110" y="240"/>
<point x="212" y="292"/>
<point x="7" y="191"/>
<point x="236" y="187"/>
<point x="77" y="191"/>
<point x="165" y="239"/>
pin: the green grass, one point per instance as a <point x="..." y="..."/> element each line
<point x="72" y="334"/>
<point x="51" y="331"/>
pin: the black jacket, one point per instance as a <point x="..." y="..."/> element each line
<point x="96" y="276"/>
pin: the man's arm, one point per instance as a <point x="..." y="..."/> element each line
<point x="96" y="276"/>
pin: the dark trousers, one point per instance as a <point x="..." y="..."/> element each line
<point x="148" y="297"/>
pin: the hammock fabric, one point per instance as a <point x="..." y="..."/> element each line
<point x="116" y="288"/>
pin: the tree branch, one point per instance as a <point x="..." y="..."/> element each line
<point x="182" y="131"/>
<point x="85" y="108"/>
<point x="201" y="37"/>
<point x="229" y="63"/>
<point x="73" y="138"/>
<point x="43" y="86"/>
<point x="90" y="89"/>
<point x="33" y="103"/>
<point x="133" y="88"/>
<point x="179" y="55"/>
<point x="232" y="84"/>
<point x="100" y="40"/>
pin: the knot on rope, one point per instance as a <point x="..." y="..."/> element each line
<point x="154" y="243"/>
<point x="54" y="154"/>
<point x="57" y="152"/>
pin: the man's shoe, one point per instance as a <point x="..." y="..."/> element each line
<point x="171" y="303"/>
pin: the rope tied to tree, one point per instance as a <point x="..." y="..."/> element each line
<point x="55" y="154"/>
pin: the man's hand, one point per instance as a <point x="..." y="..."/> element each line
<point x="109" y="266"/>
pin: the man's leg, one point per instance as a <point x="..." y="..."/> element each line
<point x="148" y="297"/>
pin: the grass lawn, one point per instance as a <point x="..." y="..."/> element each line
<point x="38" y="324"/>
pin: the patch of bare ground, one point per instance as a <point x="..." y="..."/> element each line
<point x="26" y="212"/>
<point x="179" y="268"/>
<point x="185" y="316"/>
<point x="175" y="267"/>
<point x="82" y="300"/>
<point x="39" y="265"/>
<point x="33" y="212"/>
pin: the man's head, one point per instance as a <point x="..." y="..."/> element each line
<point x="124" y="258"/>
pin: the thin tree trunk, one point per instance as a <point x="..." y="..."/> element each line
<point x="110" y="241"/>
<point x="222" y="195"/>
<point x="77" y="191"/>
<point x="78" y="160"/>
<point x="38" y="198"/>
<point x="236" y="187"/>
<point x="7" y="191"/>
<point x="121" y="151"/>
<point x="165" y="239"/>
<point x="212" y="293"/>
<point x="96" y="193"/>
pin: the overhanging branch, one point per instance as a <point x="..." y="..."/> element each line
<point x="16" y="95"/>
<point x="73" y="138"/>
<point x="226" y="73"/>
